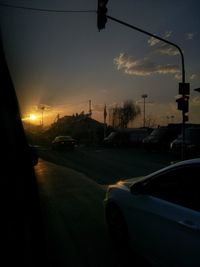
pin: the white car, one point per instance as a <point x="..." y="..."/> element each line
<point x="159" y="215"/>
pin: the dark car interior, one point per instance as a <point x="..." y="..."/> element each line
<point x="22" y="238"/>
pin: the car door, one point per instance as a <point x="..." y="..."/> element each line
<point x="167" y="219"/>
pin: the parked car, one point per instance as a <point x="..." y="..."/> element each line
<point x="63" y="142"/>
<point x="126" y="137"/>
<point x="160" y="138"/>
<point x="158" y="215"/>
<point x="192" y="142"/>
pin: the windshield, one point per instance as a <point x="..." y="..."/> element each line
<point x="73" y="81"/>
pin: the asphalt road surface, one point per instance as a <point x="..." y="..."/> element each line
<point x="72" y="187"/>
<point x="73" y="216"/>
<point x="106" y="166"/>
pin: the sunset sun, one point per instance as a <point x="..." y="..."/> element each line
<point x="32" y="117"/>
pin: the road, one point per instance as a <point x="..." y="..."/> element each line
<point x="73" y="216"/>
<point x="72" y="193"/>
<point x="106" y="166"/>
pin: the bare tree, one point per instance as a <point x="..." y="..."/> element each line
<point x="122" y="115"/>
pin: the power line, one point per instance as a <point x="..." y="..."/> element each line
<point x="47" y="10"/>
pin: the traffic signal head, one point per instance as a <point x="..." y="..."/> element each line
<point x="183" y="103"/>
<point x="101" y="14"/>
<point x="184" y="88"/>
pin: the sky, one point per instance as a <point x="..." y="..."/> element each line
<point x="60" y="61"/>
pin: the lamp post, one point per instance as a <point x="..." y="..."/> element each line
<point x="144" y="96"/>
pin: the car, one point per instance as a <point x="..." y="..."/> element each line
<point x="63" y="142"/>
<point x="192" y="143"/>
<point x="126" y="137"/>
<point x="158" y="215"/>
<point x="160" y="138"/>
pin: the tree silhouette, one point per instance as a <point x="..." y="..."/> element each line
<point x="122" y="115"/>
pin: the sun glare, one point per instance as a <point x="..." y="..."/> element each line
<point x="32" y="117"/>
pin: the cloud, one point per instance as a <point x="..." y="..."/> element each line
<point x="190" y="35"/>
<point x="167" y="34"/>
<point x="153" y="41"/>
<point x="161" y="47"/>
<point x="38" y="107"/>
<point x="193" y="77"/>
<point x="143" y="67"/>
<point x="166" y="49"/>
<point x="178" y="76"/>
<point x="195" y="101"/>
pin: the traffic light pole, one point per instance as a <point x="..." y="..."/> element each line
<point x="182" y="64"/>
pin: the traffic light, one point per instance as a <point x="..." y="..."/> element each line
<point x="184" y="88"/>
<point x="183" y="103"/>
<point x="101" y="14"/>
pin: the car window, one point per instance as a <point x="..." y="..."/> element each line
<point x="180" y="186"/>
<point x="71" y="79"/>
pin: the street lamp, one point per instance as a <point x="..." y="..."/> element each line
<point x="144" y="96"/>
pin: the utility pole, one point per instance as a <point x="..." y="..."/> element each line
<point x="144" y="96"/>
<point x="90" y="109"/>
<point x="104" y="117"/>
